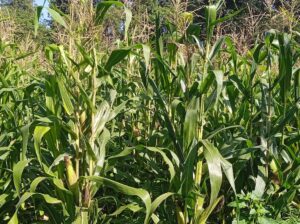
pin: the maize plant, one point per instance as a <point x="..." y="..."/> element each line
<point x="180" y="129"/>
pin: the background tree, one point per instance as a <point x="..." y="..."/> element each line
<point x="21" y="12"/>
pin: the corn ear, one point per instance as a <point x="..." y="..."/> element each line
<point x="72" y="178"/>
<point x="273" y="166"/>
<point x="82" y="118"/>
<point x="86" y="197"/>
<point x="180" y="215"/>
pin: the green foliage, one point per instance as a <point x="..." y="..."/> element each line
<point x="176" y="130"/>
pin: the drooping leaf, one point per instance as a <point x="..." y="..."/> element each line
<point x="202" y="216"/>
<point x="158" y="201"/>
<point x="57" y="17"/>
<point x="132" y="207"/>
<point x="17" y="174"/>
<point x="35" y="183"/>
<point x="38" y="134"/>
<point x="102" y="8"/>
<point x="25" y="197"/>
<point x="215" y="162"/>
<point x="216" y="48"/>
<point x="115" y="57"/>
<point x="206" y="83"/>
<point x="124" y="189"/>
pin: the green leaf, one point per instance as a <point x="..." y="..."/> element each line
<point x="215" y="172"/>
<point x="210" y="17"/>
<point x="260" y="182"/>
<point x="166" y="159"/>
<point x="87" y="58"/>
<point x="14" y="219"/>
<point x="17" y="174"/>
<point x="25" y="137"/>
<point x="27" y="195"/>
<point x="265" y="220"/>
<point x="159" y="200"/>
<point x="230" y="47"/>
<point x="38" y="13"/>
<point x="169" y="124"/>
<point x="216" y="48"/>
<point x="102" y="141"/>
<point x="206" y="83"/>
<point x="101" y="118"/>
<point x="202" y="216"/>
<point x="36" y="182"/>
<point x="297" y="84"/>
<point x="64" y="55"/>
<point x="57" y="160"/>
<point x="102" y="8"/>
<point x="124" y="189"/>
<point x="132" y="207"/>
<point x="258" y="52"/>
<point x="38" y="134"/>
<point x="128" y="151"/>
<point x="57" y="17"/>
<point x="227" y="17"/>
<point x="219" y="75"/>
<point x="188" y="170"/>
<point x="83" y="93"/>
<point x="115" y="57"/>
<point x="128" y="19"/>
<point x="283" y="120"/>
<point x="215" y="162"/>
<point x="217" y="131"/>
<point x="285" y="66"/>
<point x="3" y="199"/>
<point x="147" y="54"/>
<point x="190" y="124"/>
<point x="67" y="103"/>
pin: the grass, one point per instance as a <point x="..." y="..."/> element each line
<point x="177" y="130"/>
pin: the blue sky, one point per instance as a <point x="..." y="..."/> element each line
<point x="44" y="12"/>
<point x="40" y="2"/>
